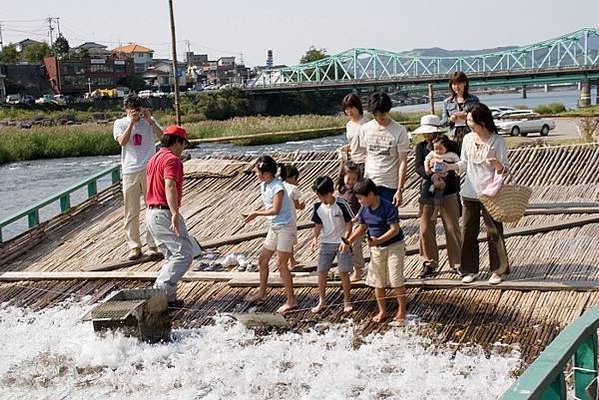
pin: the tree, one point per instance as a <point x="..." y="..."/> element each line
<point x="133" y="82"/>
<point x="9" y="54"/>
<point x="35" y="53"/>
<point x="60" y="46"/>
<point x="313" y="54"/>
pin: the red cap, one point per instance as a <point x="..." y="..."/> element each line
<point x="176" y="130"/>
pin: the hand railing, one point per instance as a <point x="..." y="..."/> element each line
<point x="32" y="213"/>
<point x="545" y="379"/>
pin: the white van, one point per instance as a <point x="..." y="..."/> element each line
<point x="144" y="94"/>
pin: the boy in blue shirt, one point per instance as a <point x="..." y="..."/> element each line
<point x="332" y="217"/>
<point x="387" y="248"/>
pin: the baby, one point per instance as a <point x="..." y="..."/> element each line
<point x="444" y="151"/>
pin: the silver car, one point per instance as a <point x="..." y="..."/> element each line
<point x="523" y="122"/>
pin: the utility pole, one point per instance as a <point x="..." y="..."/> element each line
<point x="50" y="29"/>
<point x="188" y="53"/>
<point x="58" y="24"/>
<point x="1" y="44"/>
<point x="175" y="70"/>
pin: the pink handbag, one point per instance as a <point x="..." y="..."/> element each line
<point x="493" y="187"/>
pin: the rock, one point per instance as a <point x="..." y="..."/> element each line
<point x="25" y="125"/>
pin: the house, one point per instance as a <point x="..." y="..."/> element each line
<point x="75" y="77"/>
<point x="20" y="46"/>
<point x="159" y="75"/>
<point x="196" y="59"/>
<point x="92" y="48"/>
<point x="142" y="56"/>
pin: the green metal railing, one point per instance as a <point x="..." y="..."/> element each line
<point x="545" y="379"/>
<point x="33" y="213"/>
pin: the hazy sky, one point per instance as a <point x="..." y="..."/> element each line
<point x="231" y="27"/>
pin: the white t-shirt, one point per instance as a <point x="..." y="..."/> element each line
<point x="294" y="194"/>
<point x="383" y="146"/>
<point x="333" y="218"/>
<point x="479" y="173"/>
<point x="268" y="192"/>
<point x="140" y="147"/>
<point x="357" y="149"/>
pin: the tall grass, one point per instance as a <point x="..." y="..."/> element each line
<point x="56" y="142"/>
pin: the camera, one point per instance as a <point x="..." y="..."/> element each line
<point x="439" y="167"/>
<point x="139" y="114"/>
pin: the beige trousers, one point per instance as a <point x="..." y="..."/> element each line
<point x="450" y="215"/>
<point x="134" y="187"/>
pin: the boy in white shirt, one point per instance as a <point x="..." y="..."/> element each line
<point x="333" y="219"/>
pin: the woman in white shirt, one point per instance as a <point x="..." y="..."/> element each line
<point x="484" y="154"/>
<point x="355" y="150"/>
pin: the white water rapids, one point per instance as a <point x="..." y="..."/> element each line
<point x="52" y="354"/>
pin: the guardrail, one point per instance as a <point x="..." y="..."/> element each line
<point x="545" y="379"/>
<point x="32" y="213"/>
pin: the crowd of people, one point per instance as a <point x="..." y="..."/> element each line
<point x="359" y="206"/>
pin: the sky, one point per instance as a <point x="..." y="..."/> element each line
<point x="289" y="28"/>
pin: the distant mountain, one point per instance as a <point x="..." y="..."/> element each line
<point x="593" y="44"/>
<point x="439" y="52"/>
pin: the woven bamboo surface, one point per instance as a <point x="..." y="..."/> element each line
<point x="216" y="192"/>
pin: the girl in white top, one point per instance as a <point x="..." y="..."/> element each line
<point x="484" y="154"/>
<point x="281" y="233"/>
<point x="290" y="176"/>
<point x="355" y="150"/>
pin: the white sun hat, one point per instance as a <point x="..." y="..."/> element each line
<point x="428" y="124"/>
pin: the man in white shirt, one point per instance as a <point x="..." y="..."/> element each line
<point x="136" y="133"/>
<point x="387" y="146"/>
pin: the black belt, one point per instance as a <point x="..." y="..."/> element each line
<point x="159" y="206"/>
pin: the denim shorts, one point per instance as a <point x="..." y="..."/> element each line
<point x="328" y="252"/>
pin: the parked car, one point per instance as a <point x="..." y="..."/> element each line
<point x="144" y="94"/>
<point x="159" y="94"/>
<point x="523" y="122"/>
<point x="45" y="99"/>
<point x="501" y="109"/>
<point x="60" y="99"/>
<point x="13" y="98"/>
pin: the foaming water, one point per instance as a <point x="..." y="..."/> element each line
<point x="52" y="354"/>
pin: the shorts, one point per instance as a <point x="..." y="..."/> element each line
<point x="386" y="266"/>
<point x="280" y="238"/>
<point x="327" y="254"/>
<point x="386" y="193"/>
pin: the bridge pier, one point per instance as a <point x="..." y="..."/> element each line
<point x="597" y="93"/>
<point x="546" y="88"/>
<point x="584" y="99"/>
<point x="523" y="91"/>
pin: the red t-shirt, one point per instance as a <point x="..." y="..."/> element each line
<point x="163" y="165"/>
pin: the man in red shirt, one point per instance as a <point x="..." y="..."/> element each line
<point x="163" y="198"/>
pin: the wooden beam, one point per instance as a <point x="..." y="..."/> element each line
<point x="521" y="285"/>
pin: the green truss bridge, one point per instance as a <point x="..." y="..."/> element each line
<point x="573" y="57"/>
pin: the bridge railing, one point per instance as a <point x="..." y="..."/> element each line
<point x="33" y="213"/>
<point x="545" y="378"/>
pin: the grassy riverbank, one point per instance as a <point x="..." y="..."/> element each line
<point x="17" y="144"/>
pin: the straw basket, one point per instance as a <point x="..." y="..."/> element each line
<point x="509" y="204"/>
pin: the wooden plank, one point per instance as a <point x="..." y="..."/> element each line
<point x="12" y="276"/>
<point x="224" y="139"/>
<point x="120" y="264"/>
<point x="526" y="230"/>
<point x="520" y="285"/>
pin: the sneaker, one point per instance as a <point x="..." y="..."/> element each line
<point x="428" y="269"/>
<point x="176" y="303"/>
<point x="458" y="271"/>
<point x="153" y="251"/>
<point x="201" y="267"/>
<point x="495" y="279"/>
<point x="469" y="278"/>
<point x="134" y="254"/>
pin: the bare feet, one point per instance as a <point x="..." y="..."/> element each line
<point x="400" y="318"/>
<point x="380" y="317"/>
<point x="347" y="308"/>
<point x="318" y="308"/>
<point x="357" y="275"/>
<point x="256" y="298"/>
<point x="285" y="308"/>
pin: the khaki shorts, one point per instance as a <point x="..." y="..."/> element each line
<point x="281" y="238"/>
<point x="386" y="266"/>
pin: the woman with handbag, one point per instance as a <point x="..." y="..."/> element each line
<point x="484" y="155"/>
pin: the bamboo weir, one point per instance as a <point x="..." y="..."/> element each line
<point x="553" y="253"/>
